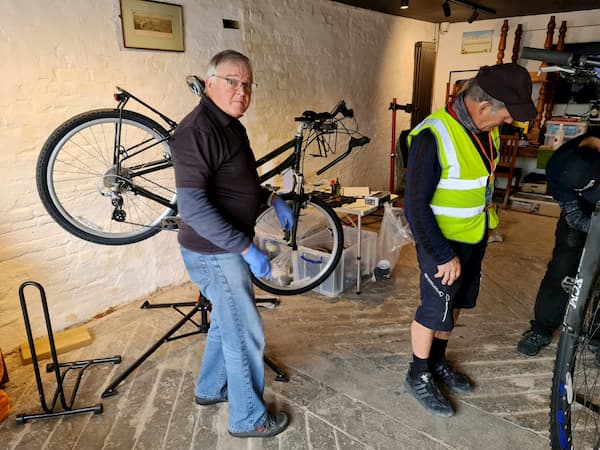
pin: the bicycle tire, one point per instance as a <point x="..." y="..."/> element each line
<point x="576" y="381"/>
<point x="76" y="177"/>
<point x="320" y="243"/>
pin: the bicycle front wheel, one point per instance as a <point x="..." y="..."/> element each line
<point x="575" y="401"/>
<point x="319" y="243"/>
<point x="102" y="195"/>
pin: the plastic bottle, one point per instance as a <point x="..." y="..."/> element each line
<point x="558" y="138"/>
<point x="332" y="187"/>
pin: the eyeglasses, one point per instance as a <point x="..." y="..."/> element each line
<point x="234" y="84"/>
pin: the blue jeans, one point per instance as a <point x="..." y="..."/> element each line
<point x="232" y="365"/>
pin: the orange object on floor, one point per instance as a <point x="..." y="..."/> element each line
<point x="4" y="406"/>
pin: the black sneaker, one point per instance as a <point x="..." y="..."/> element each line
<point x="209" y="401"/>
<point x="273" y="425"/>
<point x="454" y="381"/>
<point x="427" y="394"/>
<point x="532" y="342"/>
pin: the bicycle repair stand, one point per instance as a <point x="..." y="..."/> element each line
<point x="202" y="306"/>
<point x="55" y="366"/>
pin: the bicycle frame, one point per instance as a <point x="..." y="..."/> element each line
<point x="123" y="96"/>
<point x="588" y="268"/>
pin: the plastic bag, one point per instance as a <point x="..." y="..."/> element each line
<point x="393" y="235"/>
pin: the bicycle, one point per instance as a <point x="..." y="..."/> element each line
<point x="575" y="398"/>
<point x="106" y="176"/>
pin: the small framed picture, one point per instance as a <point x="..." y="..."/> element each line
<point x="477" y="41"/>
<point x="152" y="25"/>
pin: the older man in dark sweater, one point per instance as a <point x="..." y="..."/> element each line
<point x="219" y="198"/>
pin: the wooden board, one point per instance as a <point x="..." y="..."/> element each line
<point x="3" y="371"/>
<point x="64" y="341"/>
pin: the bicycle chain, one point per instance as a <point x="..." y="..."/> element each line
<point x="167" y="228"/>
<point x="159" y="185"/>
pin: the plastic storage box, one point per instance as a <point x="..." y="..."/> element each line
<point x="570" y="129"/>
<point x="309" y="261"/>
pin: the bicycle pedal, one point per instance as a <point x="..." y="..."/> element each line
<point x="170" y="222"/>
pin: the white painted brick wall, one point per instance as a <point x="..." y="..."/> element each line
<point x="63" y="57"/>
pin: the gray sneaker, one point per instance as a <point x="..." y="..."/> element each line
<point x="424" y="390"/>
<point x="273" y="425"/>
<point x="532" y="342"/>
<point x="209" y="401"/>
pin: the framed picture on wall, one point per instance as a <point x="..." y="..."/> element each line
<point x="152" y="25"/>
<point x="477" y="41"/>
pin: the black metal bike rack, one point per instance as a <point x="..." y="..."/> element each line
<point x="202" y="306"/>
<point x="67" y="405"/>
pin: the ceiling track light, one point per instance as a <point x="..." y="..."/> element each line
<point x="477" y="8"/>
<point x="446" y="8"/>
<point x="474" y="16"/>
<point x="403" y="4"/>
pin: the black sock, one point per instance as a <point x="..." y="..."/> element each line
<point x="418" y="365"/>
<point x="438" y="351"/>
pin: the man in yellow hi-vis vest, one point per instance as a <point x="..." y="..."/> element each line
<point x="452" y="157"/>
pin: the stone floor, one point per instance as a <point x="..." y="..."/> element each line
<point x="346" y="358"/>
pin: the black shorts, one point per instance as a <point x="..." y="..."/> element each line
<point x="438" y="301"/>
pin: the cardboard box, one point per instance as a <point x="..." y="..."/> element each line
<point x="534" y="204"/>
<point x="537" y="188"/>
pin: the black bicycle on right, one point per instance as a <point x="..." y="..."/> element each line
<point x="575" y="401"/>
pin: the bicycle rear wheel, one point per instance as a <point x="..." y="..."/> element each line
<point x="320" y="242"/>
<point x="575" y="401"/>
<point x="84" y="192"/>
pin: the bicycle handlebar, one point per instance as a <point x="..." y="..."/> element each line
<point x="354" y="142"/>
<point x="571" y="60"/>
<point x="340" y="108"/>
<point x="581" y="68"/>
<point x="549" y="56"/>
<point x="320" y="120"/>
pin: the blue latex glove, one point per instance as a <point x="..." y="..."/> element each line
<point x="258" y="262"/>
<point x="284" y="213"/>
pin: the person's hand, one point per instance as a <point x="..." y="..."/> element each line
<point x="258" y="262"/>
<point x="284" y="213"/>
<point x="449" y="272"/>
<point x="591" y="142"/>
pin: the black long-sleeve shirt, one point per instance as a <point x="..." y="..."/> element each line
<point x="218" y="190"/>
<point x="421" y="182"/>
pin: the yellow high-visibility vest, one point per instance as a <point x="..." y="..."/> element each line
<point x="459" y="201"/>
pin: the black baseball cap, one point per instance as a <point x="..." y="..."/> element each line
<point x="582" y="173"/>
<point x="511" y="84"/>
